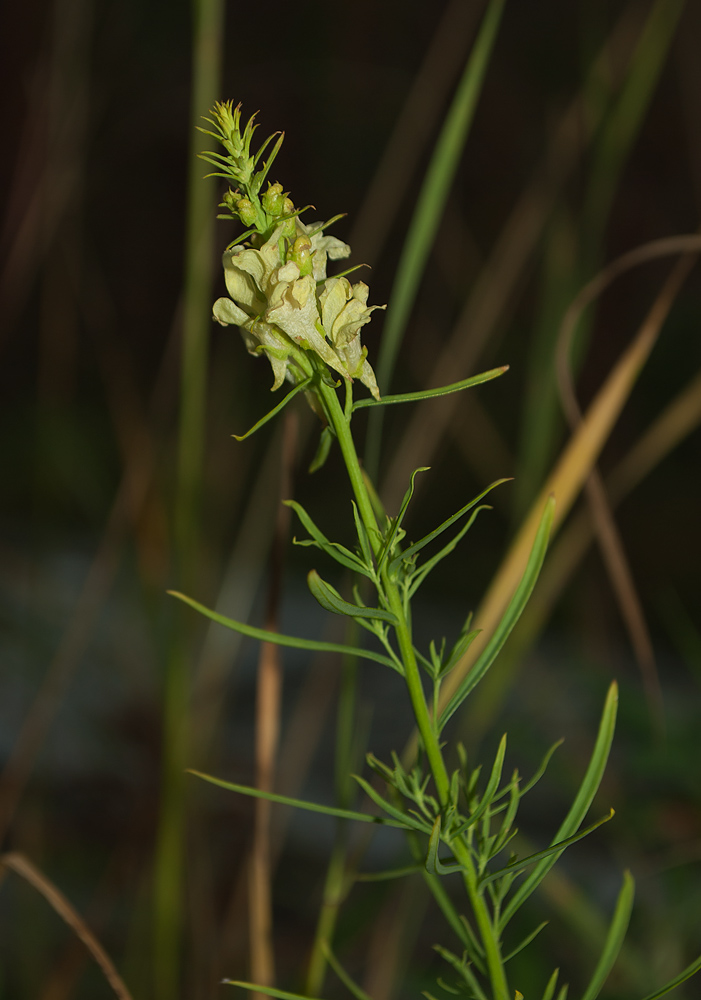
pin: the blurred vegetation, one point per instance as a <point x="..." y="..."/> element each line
<point x="585" y="144"/>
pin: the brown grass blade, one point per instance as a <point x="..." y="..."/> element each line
<point x="13" y="861"/>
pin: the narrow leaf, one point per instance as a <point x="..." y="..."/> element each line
<point x="580" y="806"/>
<point x="517" y="866"/>
<point x="349" y="983"/>
<point x="388" y="874"/>
<point x="417" y="546"/>
<point x="526" y="941"/>
<point x="614" y="938"/>
<point x="322" y="451"/>
<point x="403" y="819"/>
<point x="434" y="865"/>
<point x="444" y="390"/>
<point x="338" y="552"/>
<point x="285" y="800"/>
<point x="283" y="640"/>
<point x="510" y="617"/>
<point x="275" y="410"/>
<point x="330" y="600"/>
<point x="397" y="523"/>
<point x="688" y="972"/>
<point x="550" y="988"/>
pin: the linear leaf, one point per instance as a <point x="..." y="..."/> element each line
<point x="397" y="522"/>
<point x="405" y="820"/>
<point x="422" y="572"/>
<point x="417" y="546"/>
<point x="285" y="800"/>
<point x="275" y="410"/>
<point x="388" y="874"/>
<point x="518" y="866"/>
<point x="444" y="390"/>
<point x="688" y="972"/>
<point x="330" y="600"/>
<point x="349" y="983"/>
<point x="614" y="938"/>
<point x="434" y="865"/>
<point x="283" y="640"/>
<point x="580" y="806"/>
<point x="510" y="617"/>
<point x="338" y="552"/>
<point x="526" y="941"/>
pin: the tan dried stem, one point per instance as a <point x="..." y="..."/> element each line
<point x="20" y="865"/>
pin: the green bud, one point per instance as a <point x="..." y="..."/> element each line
<point x="246" y="211"/>
<point x="301" y="254"/>
<point x="274" y="200"/>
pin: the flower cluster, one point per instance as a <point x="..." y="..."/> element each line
<point x="280" y="295"/>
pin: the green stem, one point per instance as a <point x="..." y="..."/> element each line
<point x="340" y="420"/>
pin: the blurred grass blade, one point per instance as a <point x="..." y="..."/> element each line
<point x="580" y="454"/>
<point x="350" y="985"/>
<point x="286" y="800"/>
<point x="614" y="938"/>
<point x="579" y="807"/>
<point x="429" y="209"/>
<point x="267" y="990"/>
<point x="444" y="390"/>
<point x="688" y="972"/>
<point x="263" y="635"/>
<point x="169" y="867"/>
<point x="25" y="869"/>
<point x="511" y="615"/>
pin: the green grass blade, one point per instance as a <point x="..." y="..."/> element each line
<point x="688" y="972"/>
<point x="429" y="209"/>
<point x="275" y="410"/>
<point x="269" y="991"/>
<point x="510" y="617"/>
<point x="614" y="938"/>
<point x="580" y="806"/>
<point x="285" y="800"/>
<point x="293" y="641"/>
<point x="444" y="390"/>
<point x="349" y="983"/>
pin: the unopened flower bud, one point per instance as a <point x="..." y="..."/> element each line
<point x="246" y="211"/>
<point x="274" y="200"/>
<point x="301" y="254"/>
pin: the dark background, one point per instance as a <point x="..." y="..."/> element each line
<point x="93" y="181"/>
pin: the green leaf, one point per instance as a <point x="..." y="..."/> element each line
<point x="550" y="988"/>
<point x="614" y="938"/>
<point x="688" y="972"/>
<point x="349" y="983"/>
<point x="578" y="809"/>
<point x="285" y="800"/>
<point x="403" y="819"/>
<point x="330" y="600"/>
<point x="444" y="390"/>
<point x="517" y="866"/>
<point x="283" y="640"/>
<point x="397" y="522"/>
<point x="275" y="410"/>
<point x="322" y="452"/>
<point x="417" y="546"/>
<point x="434" y="865"/>
<point x="491" y="789"/>
<point x="526" y="941"/>
<point x="338" y="552"/>
<point x="389" y="874"/>
<point x="420" y="574"/>
<point x="509" y="619"/>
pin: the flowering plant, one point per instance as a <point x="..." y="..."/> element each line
<point x="457" y="820"/>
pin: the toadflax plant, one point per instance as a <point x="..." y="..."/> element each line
<point x="457" y="820"/>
